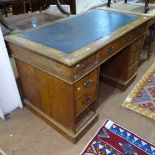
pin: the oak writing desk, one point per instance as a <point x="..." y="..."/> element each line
<point x="59" y="65"/>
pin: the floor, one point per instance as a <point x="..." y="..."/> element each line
<point x="85" y="5"/>
<point x="133" y="8"/>
<point x="26" y="134"/>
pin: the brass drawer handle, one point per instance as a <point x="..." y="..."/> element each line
<point x="88" y="83"/>
<point x="110" y="49"/>
<point x="87" y="99"/>
<point x="81" y="65"/>
<point x="79" y="68"/>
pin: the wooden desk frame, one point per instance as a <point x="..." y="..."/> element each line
<point x="47" y="73"/>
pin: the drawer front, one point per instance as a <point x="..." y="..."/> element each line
<point x="116" y="45"/>
<point x="136" y="48"/>
<point x="109" y="50"/>
<point x="134" y="53"/>
<point x="85" y="83"/>
<point x="85" y="65"/>
<point x="140" y="30"/>
<point x="85" y="100"/>
<point x="132" y="70"/>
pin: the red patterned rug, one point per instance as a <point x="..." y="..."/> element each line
<point x="112" y="139"/>
<point x="142" y="97"/>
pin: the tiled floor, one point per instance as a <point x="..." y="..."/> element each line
<point x="25" y="134"/>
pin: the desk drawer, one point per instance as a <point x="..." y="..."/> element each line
<point x="121" y="43"/>
<point x="132" y="70"/>
<point x="85" y="65"/>
<point x="140" y="30"/>
<point x="132" y="35"/>
<point x="85" y="100"/>
<point x="115" y="46"/>
<point x="85" y="83"/>
<point x="135" y="51"/>
<point x="108" y="51"/>
<point x="134" y="54"/>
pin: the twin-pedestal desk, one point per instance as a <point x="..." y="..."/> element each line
<point x="59" y="65"/>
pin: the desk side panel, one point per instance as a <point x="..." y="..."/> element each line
<point x="47" y="93"/>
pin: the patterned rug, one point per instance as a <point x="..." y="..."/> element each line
<point x="142" y="97"/>
<point x="111" y="139"/>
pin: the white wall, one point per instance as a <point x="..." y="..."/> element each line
<point x="9" y="95"/>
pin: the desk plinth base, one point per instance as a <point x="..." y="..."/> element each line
<point x="123" y="85"/>
<point x="73" y="137"/>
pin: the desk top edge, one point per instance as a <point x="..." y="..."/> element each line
<point x="77" y="56"/>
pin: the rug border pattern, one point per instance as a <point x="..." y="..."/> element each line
<point x="113" y="123"/>
<point x="129" y="104"/>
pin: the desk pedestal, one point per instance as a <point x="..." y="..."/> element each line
<point x="121" y="69"/>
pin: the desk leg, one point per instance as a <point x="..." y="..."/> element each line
<point x="109" y="2"/>
<point x="146" y="6"/>
<point x="5" y="12"/>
